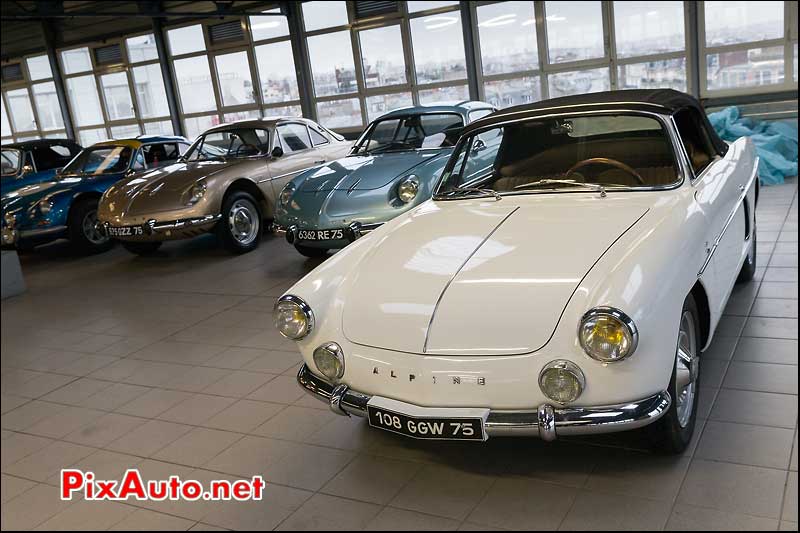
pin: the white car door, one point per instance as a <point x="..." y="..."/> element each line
<point x="720" y="184"/>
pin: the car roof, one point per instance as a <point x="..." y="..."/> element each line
<point x="662" y="101"/>
<point x="462" y="107"/>
<point x="24" y="145"/>
<point x="267" y="122"/>
<point x="137" y="142"/>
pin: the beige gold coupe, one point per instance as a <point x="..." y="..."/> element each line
<point x="227" y="182"/>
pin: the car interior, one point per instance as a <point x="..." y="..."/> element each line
<point x="622" y="151"/>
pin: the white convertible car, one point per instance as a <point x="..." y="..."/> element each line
<point x="564" y="279"/>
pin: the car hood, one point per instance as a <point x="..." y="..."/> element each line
<point x="28" y="195"/>
<point x="481" y="277"/>
<point x="366" y="172"/>
<point x="164" y="189"/>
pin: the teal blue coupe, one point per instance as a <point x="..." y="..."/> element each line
<point x="391" y="168"/>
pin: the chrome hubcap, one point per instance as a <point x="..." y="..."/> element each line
<point x="686" y="369"/>
<point x="91" y="230"/>
<point x="243" y="222"/>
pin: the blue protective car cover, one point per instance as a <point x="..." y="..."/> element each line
<point x="776" y="142"/>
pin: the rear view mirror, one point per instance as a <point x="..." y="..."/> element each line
<point x="277" y="151"/>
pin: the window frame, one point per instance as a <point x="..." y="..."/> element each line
<point x="787" y="42"/>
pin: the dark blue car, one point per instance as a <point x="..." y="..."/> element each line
<point x="30" y="162"/>
<point x="66" y="206"/>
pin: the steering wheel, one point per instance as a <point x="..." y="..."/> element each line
<point x="249" y="146"/>
<point x="606" y="161"/>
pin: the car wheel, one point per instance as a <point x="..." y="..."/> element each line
<point x="239" y="230"/>
<point x="142" y="248"/>
<point x="748" y="271"/>
<point x="310" y="251"/>
<point x="672" y="432"/>
<point x="82" y="228"/>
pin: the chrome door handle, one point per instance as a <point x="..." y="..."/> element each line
<point x="741" y="188"/>
<point x="319" y="162"/>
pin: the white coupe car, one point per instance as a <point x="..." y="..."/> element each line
<point x="564" y="279"/>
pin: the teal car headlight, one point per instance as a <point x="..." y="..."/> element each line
<point x="408" y="188"/>
<point x="286" y="194"/>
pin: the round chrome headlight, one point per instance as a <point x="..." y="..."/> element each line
<point x="45" y="206"/>
<point x="562" y="381"/>
<point x="197" y="192"/>
<point x="408" y="188"/>
<point x="286" y="194"/>
<point x="293" y="317"/>
<point x="329" y="359"/>
<point x="607" y="334"/>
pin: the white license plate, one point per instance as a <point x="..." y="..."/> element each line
<point x="125" y="231"/>
<point x="320" y="235"/>
<point x="427" y="422"/>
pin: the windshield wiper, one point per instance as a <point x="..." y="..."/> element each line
<point x="460" y="192"/>
<point x="594" y="186"/>
<point x="393" y="145"/>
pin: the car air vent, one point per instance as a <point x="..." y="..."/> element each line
<point x="12" y="72"/>
<point x="368" y="9"/>
<point x="226" y="32"/>
<point x="108" y="55"/>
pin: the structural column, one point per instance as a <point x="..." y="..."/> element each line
<point x="166" y="73"/>
<point x="58" y="79"/>
<point x="305" y="82"/>
<point x="470" y="50"/>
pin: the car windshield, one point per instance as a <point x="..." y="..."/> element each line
<point x="229" y="143"/>
<point x="580" y="153"/>
<point x="411" y="132"/>
<point x="11" y="161"/>
<point x="106" y="159"/>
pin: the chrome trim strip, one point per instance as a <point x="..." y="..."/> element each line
<point x="546" y="422"/>
<point x="29" y="233"/>
<point x="182" y="223"/>
<point x="730" y="218"/>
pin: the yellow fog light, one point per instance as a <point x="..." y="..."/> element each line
<point x="293" y="317"/>
<point x="607" y="334"/>
<point x="329" y="359"/>
<point x="562" y="381"/>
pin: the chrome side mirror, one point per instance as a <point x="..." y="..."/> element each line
<point x="26" y="169"/>
<point x="479" y="146"/>
<point x="277" y="151"/>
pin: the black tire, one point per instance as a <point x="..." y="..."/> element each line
<point x="309" y="251"/>
<point x="142" y="248"/>
<point x="240" y="209"/>
<point x="748" y="271"/>
<point x="83" y="236"/>
<point x="667" y="435"/>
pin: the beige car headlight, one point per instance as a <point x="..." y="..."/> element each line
<point x="293" y="317"/>
<point x="408" y="188"/>
<point x="329" y="359"/>
<point x="607" y="334"/>
<point x="562" y="381"/>
<point x="197" y="192"/>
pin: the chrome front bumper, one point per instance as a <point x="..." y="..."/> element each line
<point x="171" y="229"/>
<point x="547" y="422"/>
<point x="352" y="232"/>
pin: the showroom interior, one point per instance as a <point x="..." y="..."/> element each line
<point x="170" y="363"/>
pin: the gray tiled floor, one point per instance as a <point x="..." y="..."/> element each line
<point x="170" y="364"/>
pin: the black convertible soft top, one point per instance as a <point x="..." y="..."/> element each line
<point x="665" y="101"/>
